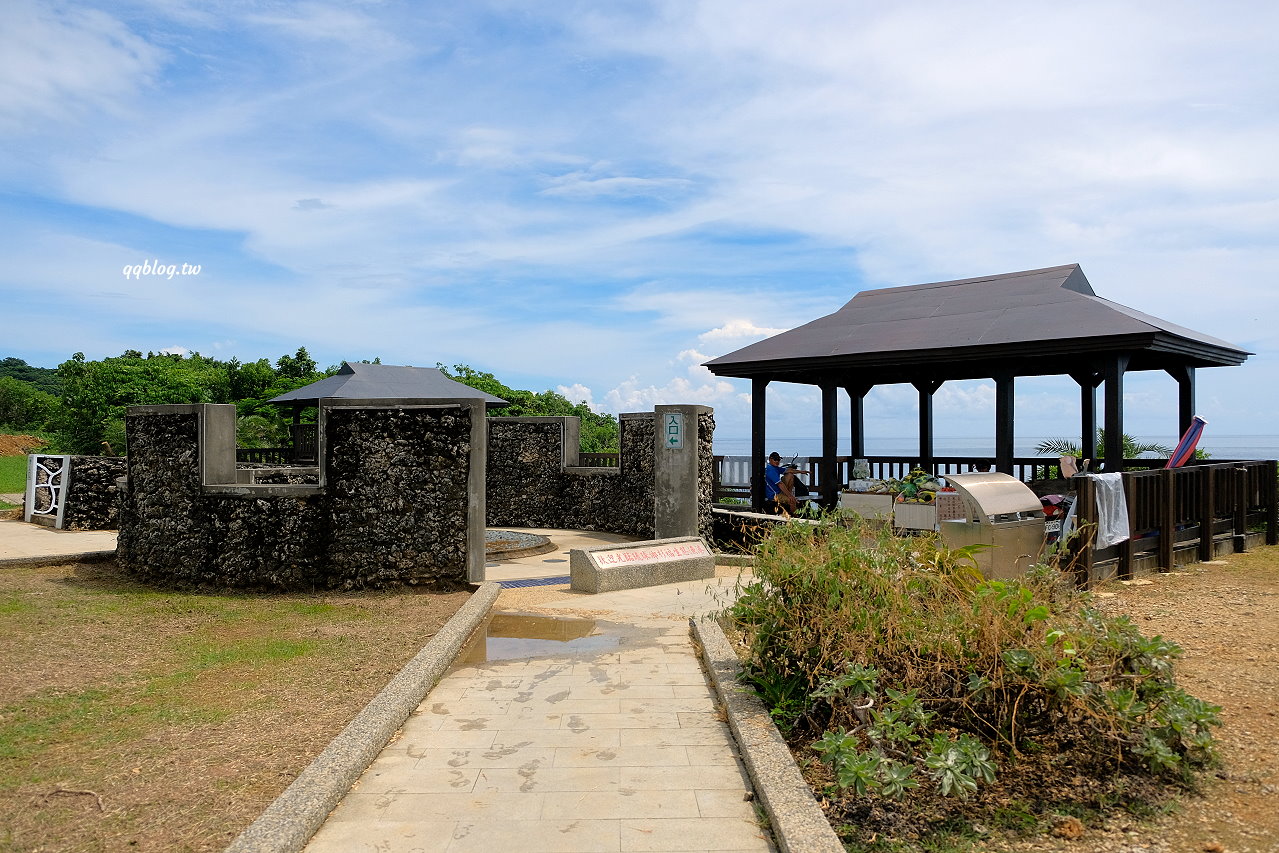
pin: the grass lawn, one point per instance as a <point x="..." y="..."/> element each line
<point x="13" y="476"/>
<point x="140" y="719"/>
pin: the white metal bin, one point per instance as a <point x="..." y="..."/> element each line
<point x="1001" y="511"/>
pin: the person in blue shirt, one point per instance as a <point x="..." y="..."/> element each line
<point x="772" y="481"/>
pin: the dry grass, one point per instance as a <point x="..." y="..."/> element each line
<point x="137" y="719"/>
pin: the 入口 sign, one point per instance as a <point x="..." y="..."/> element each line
<point x="673" y="430"/>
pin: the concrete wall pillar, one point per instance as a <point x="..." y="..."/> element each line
<point x="675" y="468"/>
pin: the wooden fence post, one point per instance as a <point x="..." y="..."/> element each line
<point x="1167" y="519"/>
<point x="1241" y="509"/>
<point x="1207" y="512"/>
<point x="1128" y="549"/>
<point x="1271" y="492"/>
<point x="1086" y="527"/>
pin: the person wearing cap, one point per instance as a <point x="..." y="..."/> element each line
<point x="772" y="482"/>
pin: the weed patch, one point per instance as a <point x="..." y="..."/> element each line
<point x="921" y="698"/>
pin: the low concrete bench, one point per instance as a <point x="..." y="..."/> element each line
<point x="631" y="565"/>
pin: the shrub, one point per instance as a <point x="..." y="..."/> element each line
<point x="910" y="676"/>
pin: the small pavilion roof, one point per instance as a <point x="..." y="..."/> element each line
<point x="1036" y="322"/>
<point x="360" y="381"/>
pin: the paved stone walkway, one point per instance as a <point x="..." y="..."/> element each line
<point x="605" y="738"/>
<point x="19" y="540"/>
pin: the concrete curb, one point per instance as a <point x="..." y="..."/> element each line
<point x="56" y="559"/>
<point x="798" y="824"/>
<point x="289" y="822"/>
<point x="735" y="559"/>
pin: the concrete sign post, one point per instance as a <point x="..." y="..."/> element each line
<point x="675" y="470"/>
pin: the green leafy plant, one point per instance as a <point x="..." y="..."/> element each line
<point x="912" y="677"/>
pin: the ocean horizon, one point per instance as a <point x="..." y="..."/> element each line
<point x="1218" y="446"/>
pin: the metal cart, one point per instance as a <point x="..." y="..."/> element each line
<point x="1000" y="511"/>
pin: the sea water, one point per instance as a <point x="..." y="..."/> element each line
<point x="1217" y="446"/>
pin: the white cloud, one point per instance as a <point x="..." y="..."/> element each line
<point x="60" y="62"/>
<point x="586" y="185"/>
<point x="330" y="25"/>
<point x="738" y="331"/>
<point x="578" y="393"/>
<point x="697" y="386"/>
<point x="638" y="179"/>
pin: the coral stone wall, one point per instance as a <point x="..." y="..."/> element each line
<point x="92" y="500"/>
<point x="166" y="528"/>
<point x="528" y="486"/>
<point x="705" y="474"/>
<point x="524" y="476"/>
<point x="397" y="494"/>
<point x="393" y="510"/>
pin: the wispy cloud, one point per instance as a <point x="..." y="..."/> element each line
<point x="60" y="63"/>
<point x="581" y="195"/>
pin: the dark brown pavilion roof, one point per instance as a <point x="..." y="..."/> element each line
<point x="1036" y="322"/>
<point x="360" y="381"/>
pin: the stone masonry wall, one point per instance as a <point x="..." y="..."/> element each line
<point x="524" y="485"/>
<point x="92" y="500"/>
<point x="393" y="510"/>
<point x="705" y="474"/>
<point x="397" y="495"/>
<point x="527" y="485"/>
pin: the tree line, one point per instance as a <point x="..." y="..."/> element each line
<point x="79" y="406"/>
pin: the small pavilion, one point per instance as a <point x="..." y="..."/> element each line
<point x="363" y="381"/>
<point x="1046" y="322"/>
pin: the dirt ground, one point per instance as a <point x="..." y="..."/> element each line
<point x="139" y="719"/>
<point x="1225" y="615"/>
<point x="17" y="445"/>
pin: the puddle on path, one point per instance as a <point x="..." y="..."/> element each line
<point x="509" y="636"/>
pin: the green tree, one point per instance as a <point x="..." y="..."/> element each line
<point x="23" y="406"/>
<point x="43" y="378"/>
<point x="599" y="432"/>
<point x="95" y="394"/>
<point x="297" y="366"/>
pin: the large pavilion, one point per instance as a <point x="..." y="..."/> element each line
<point x="1045" y="322"/>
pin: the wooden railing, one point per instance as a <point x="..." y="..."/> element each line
<point x="1025" y="468"/>
<point x="270" y="455"/>
<point x="598" y="460"/>
<point x="1182" y="515"/>
<point x="1176" y="516"/>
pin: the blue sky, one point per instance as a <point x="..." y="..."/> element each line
<point x="598" y="197"/>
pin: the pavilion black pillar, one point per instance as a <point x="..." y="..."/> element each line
<point x="1115" y="413"/>
<point x="857" y="419"/>
<point x="758" y="390"/>
<point x="1185" y="376"/>
<point x="1088" y="383"/>
<point x="830" y="440"/>
<point x="926" y="388"/>
<point x="1004" y="423"/>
